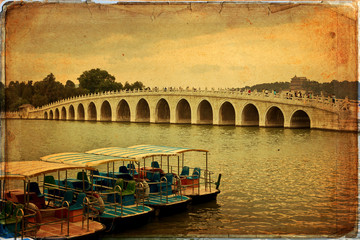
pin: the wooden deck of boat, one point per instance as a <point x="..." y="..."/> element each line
<point x="75" y="229"/>
<point x="171" y="199"/>
<point x="127" y="211"/>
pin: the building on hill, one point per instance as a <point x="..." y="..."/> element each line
<point x="297" y="82"/>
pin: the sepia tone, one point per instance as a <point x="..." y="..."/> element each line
<point x="205" y="47"/>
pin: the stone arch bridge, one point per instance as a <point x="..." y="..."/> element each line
<point x="223" y="107"/>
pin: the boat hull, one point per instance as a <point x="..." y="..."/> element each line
<point x="164" y="209"/>
<point x="118" y="224"/>
<point x="75" y="234"/>
<point x="203" y="197"/>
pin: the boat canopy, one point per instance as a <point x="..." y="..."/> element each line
<point x="26" y="169"/>
<point x="128" y="152"/>
<point x="164" y="149"/>
<point x="83" y="159"/>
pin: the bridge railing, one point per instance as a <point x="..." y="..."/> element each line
<point x="321" y="102"/>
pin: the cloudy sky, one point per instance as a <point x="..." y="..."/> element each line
<point x="197" y="45"/>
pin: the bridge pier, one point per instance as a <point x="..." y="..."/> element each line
<point x="262" y="122"/>
<point x="287" y="123"/>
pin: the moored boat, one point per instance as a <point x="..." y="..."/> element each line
<point x="197" y="182"/>
<point x="119" y="205"/>
<point x="163" y="191"/>
<point x="29" y="213"/>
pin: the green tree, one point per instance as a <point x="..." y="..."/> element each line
<point x="70" y="84"/>
<point x="127" y="86"/>
<point x="96" y="80"/>
<point x="49" y="88"/>
<point x="138" y="85"/>
<point x="27" y="91"/>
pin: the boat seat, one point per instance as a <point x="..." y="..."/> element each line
<point x="149" y="175"/>
<point x="50" y="185"/>
<point x="123" y="169"/>
<point x="132" y="169"/>
<point x="185" y="171"/>
<point x="34" y="187"/>
<point x="68" y="197"/>
<point x="166" y="186"/>
<point x="155" y="164"/>
<point x="119" y="182"/>
<point x="82" y="176"/>
<point x="110" y="197"/>
<point x="196" y="174"/>
<point x="79" y="202"/>
<point x="155" y="180"/>
<point x="130" y="188"/>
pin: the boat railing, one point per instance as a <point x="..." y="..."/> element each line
<point x="48" y="196"/>
<point x="178" y="186"/>
<point x="163" y="179"/>
<point x="61" y="220"/>
<point x="159" y="192"/>
<point x="28" y="214"/>
<point x="140" y="194"/>
<point x="86" y="213"/>
<point x="205" y="180"/>
<point x="66" y="205"/>
<point x="116" y="190"/>
<point x="21" y="220"/>
<point x="117" y="187"/>
<point x="18" y="214"/>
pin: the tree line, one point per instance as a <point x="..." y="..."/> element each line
<point x="335" y="88"/>
<point x="96" y="80"/>
<point x="49" y="90"/>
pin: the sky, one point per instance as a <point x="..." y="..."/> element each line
<point x="178" y="45"/>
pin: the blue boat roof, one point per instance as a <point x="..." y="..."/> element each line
<point x="83" y="159"/>
<point x="165" y="149"/>
<point x="27" y="169"/>
<point x="127" y="152"/>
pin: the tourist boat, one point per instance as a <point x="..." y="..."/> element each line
<point x="28" y="212"/>
<point x="199" y="185"/>
<point x="163" y="190"/>
<point x="119" y="206"/>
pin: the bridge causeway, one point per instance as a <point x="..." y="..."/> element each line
<point x="193" y="106"/>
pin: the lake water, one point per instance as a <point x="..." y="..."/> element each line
<point x="275" y="182"/>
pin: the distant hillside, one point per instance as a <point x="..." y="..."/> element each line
<point x="339" y="89"/>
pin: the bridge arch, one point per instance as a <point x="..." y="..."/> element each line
<point x="105" y="111"/>
<point x="57" y="114"/>
<point x="123" y="111"/>
<point x="205" y="112"/>
<point x="274" y="117"/>
<point x="300" y="119"/>
<point x="45" y="115"/>
<point x="51" y="115"/>
<point x="63" y="113"/>
<point x="71" y="113"/>
<point x="162" y="111"/>
<point x="92" y="112"/>
<point x="142" y="111"/>
<point x="80" y="112"/>
<point x="227" y="114"/>
<point x="250" y="115"/>
<point x="183" y="112"/>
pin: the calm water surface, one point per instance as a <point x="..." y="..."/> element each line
<point x="276" y="182"/>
